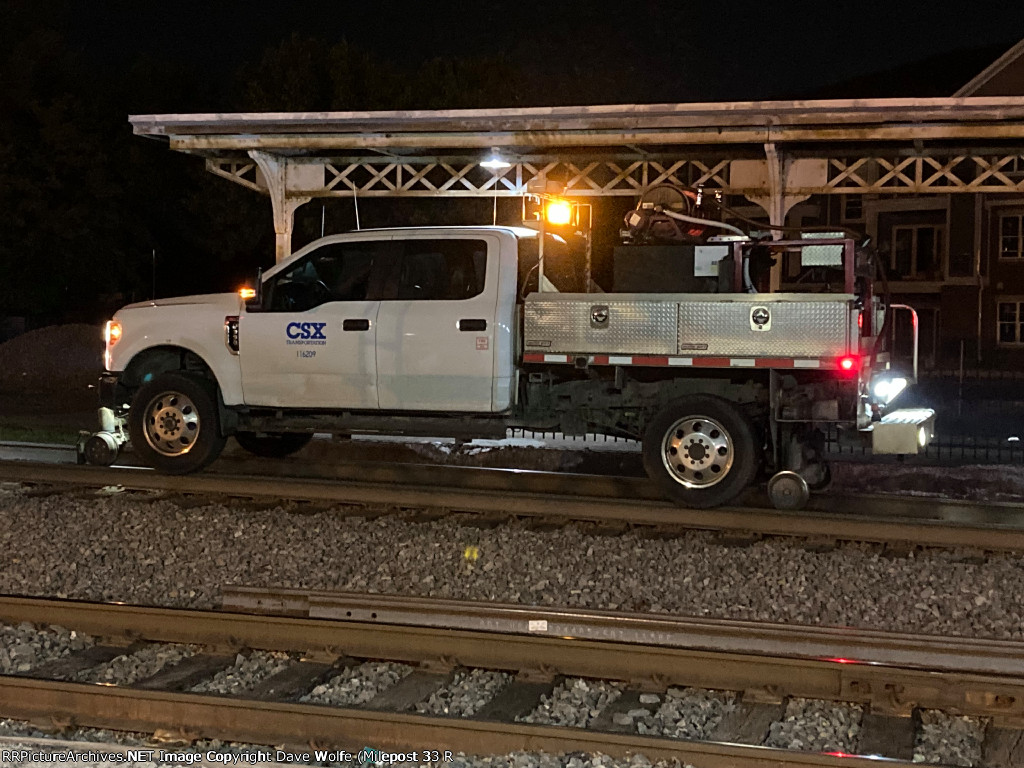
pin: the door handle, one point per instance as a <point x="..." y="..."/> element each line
<point x="472" y="325"/>
<point x="355" y="325"/>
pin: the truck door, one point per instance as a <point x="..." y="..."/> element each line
<point x="312" y="342"/>
<point x="436" y="325"/>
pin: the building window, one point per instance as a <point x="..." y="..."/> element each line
<point x="1011" y="234"/>
<point x="1010" y="321"/>
<point x="853" y="208"/>
<point x="917" y="252"/>
<point x="1014" y="167"/>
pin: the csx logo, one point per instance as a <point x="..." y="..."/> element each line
<point x="306" y="330"/>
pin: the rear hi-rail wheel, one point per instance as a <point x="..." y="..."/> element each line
<point x="174" y="424"/>
<point x="701" y="451"/>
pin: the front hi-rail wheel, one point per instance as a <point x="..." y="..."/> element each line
<point x="174" y="424"/>
<point x="701" y="451"/>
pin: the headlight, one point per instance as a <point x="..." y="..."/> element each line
<point x="112" y="333"/>
<point x="886" y="390"/>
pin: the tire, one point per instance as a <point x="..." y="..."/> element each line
<point x="722" y="462"/>
<point x="273" y="445"/>
<point x="174" y="424"/>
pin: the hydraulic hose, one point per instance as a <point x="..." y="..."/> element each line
<point x="701" y="222"/>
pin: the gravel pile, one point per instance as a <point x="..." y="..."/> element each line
<point x="247" y="672"/>
<point x="120" y="548"/>
<point x="466" y="693"/>
<point x="23" y="647"/>
<point x="575" y="703"/>
<point x="817" y="726"/>
<point x="127" y="669"/>
<point x="683" y="713"/>
<point x="56" y="357"/>
<point x="358" y="685"/>
<point x="948" y="739"/>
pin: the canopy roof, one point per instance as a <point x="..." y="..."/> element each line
<point x="634" y="128"/>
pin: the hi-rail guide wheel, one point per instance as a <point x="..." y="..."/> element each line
<point x="788" y="490"/>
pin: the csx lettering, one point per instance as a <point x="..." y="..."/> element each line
<point x="306" y="330"/>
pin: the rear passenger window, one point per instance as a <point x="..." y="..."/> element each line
<point x="438" y="270"/>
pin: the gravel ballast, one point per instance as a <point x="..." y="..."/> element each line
<point x="470" y="690"/>
<point x="247" y="671"/>
<point x="123" y="548"/>
<point x="575" y="703"/>
<point x="817" y="726"/>
<point x="948" y="739"/>
<point x="684" y="713"/>
<point x="358" y="685"/>
<point x="18" y="735"/>
<point x="23" y="647"/>
<point x="131" y="667"/>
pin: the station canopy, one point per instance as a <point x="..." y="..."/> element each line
<point x="774" y="153"/>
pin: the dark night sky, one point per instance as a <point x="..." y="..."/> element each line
<point x="87" y="202"/>
<point x="587" y="51"/>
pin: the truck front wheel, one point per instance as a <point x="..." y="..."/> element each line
<point x="174" y="425"/>
<point x="700" y="451"/>
<point x="273" y="445"/>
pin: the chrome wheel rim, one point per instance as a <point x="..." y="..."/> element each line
<point x="172" y="423"/>
<point x="698" y="452"/>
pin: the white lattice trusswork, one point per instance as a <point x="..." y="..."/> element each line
<point x="961" y="173"/>
<point x="602" y="178"/>
<point x="585" y="179"/>
<point x="243" y="173"/>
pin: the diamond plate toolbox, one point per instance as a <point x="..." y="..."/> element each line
<point x="572" y="324"/>
<point x="797" y="329"/>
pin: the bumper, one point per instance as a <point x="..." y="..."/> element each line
<point x="906" y="431"/>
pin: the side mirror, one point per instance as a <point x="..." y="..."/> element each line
<point x="255" y="304"/>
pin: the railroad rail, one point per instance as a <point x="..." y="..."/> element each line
<point x="904" y="522"/>
<point x="271" y="714"/>
<point x="851" y="645"/>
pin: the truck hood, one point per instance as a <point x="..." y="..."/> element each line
<point x="226" y="300"/>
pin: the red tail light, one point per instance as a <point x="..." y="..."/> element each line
<point x="849" y="363"/>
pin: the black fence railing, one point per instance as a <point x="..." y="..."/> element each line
<point x="948" y="450"/>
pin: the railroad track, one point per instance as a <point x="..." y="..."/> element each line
<point x="494" y="495"/>
<point x="536" y="656"/>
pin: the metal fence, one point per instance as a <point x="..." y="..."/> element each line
<point x="527" y="434"/>
<point x="943" y="450"/>
<point x="950" y="450"/>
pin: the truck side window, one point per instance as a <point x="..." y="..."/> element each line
<point x="433" y="270"/>
<point x="333" y="272"/>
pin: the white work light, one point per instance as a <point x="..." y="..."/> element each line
<point x="886" y="390"/>
<point x="495" y="162"/>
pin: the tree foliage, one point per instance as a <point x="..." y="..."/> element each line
<point x="86" y="203"/>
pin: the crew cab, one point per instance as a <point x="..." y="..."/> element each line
<point x="441" y="331"/>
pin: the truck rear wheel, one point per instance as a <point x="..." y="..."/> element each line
<point x="700" y="451"/>
<point x="174" y="425"/>
<point x="273" y="445"/>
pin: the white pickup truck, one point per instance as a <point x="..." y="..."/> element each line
<point x="440" y="332"/>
